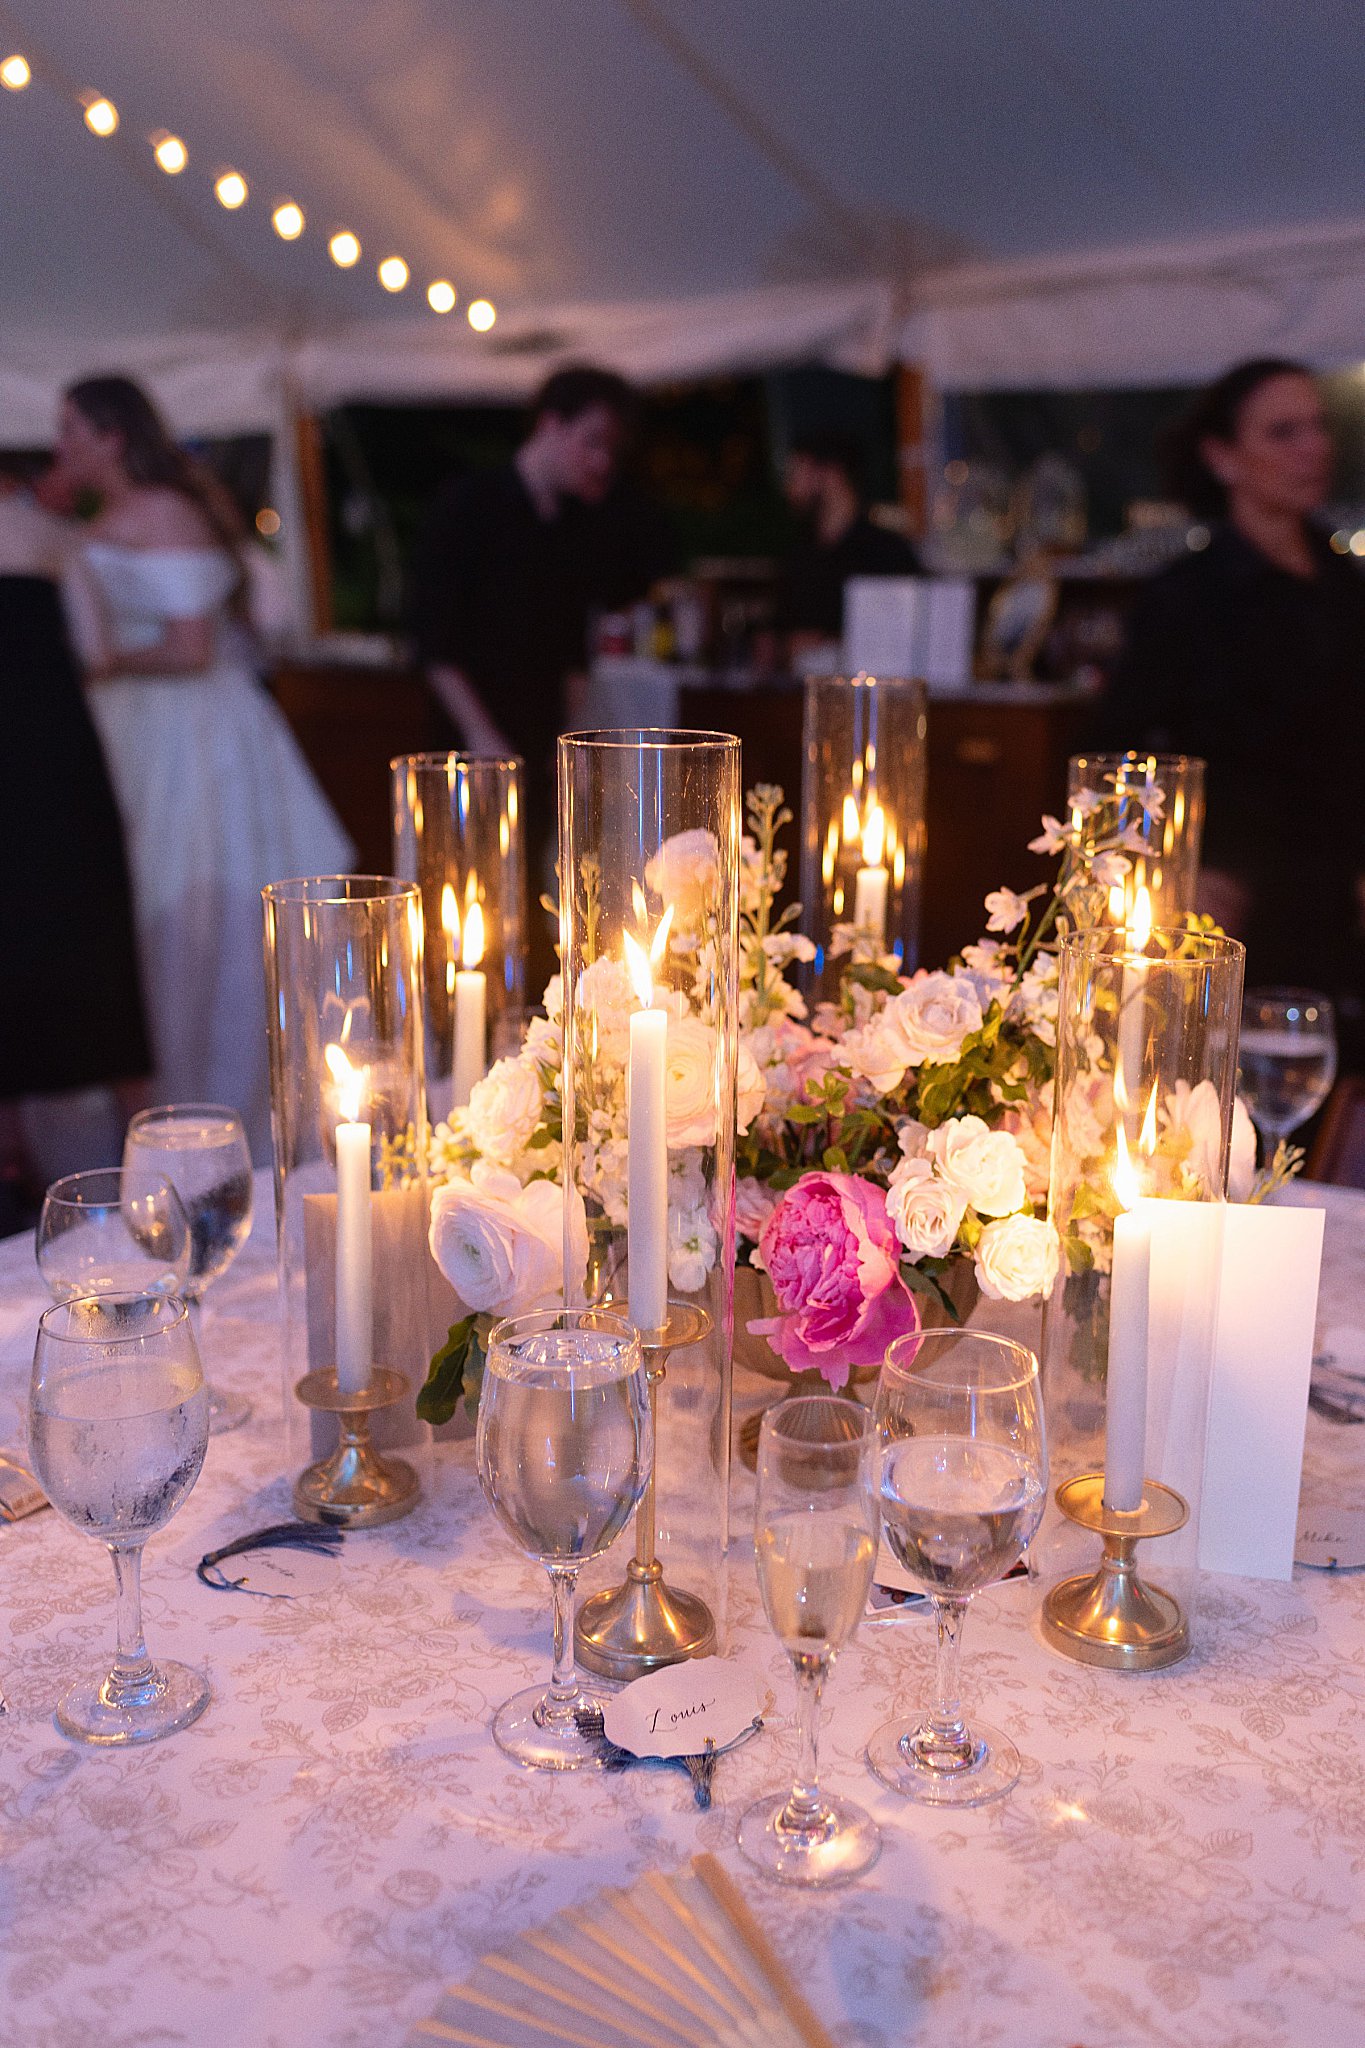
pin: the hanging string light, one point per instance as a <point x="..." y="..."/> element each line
<point x="287" y="220"/>
<point x="481" y="314"/>
<point x="170" y="152"/>
<point x="15" y="72"/>
<point x="441" y="296"/>
<point x="393" y="273"/>
<point x="230" y="190"/>
<point x="344" y="249"/>
<point x="101" y="115"/>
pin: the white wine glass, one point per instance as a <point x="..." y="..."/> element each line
<point x="1288" y="1054"/>
<point x="563" y="1457"/>
<point x="112" y="1233"/>
<point x="118" y="1426"/>
<point x="963" y="1486"/>
<point x="201" y="1149"/>
<point x="815" y="1541"/>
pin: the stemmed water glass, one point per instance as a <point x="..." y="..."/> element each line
<point x="563" y="1456"/>
<point x="815" y="1537"/>
<point x="118" y="1426"/>
<point x="963" y="1486"/>
<point x="201" y="1149"/>
<point x="113" y="1233"/>
<point x="1288" y="1059"/>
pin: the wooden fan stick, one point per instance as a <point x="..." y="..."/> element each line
<point x="592" y="1975"/>
<point x="641" y="1968"/>
<point x="702" y="1934"/>
<point x="590" y="2009"/>
<point x="716" y="1993"/>
<point x="726" y="1894"/>
<point x="551" y="2028"/>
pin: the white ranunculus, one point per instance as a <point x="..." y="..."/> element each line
<point x="690" y="1082"/>
<point x="1016" y="1259"/>
<point x="986" y="1166"/>
<point x="606" y="998"/>
<point x="925" y="1210"/>
<point x="692" y="1246"/>
<point x="501" y="1245"/>
<point x="504" y="1109"/>
<point x="751" y="1090"/>
<point x="1242" y="1159"/>
<point x="685" y="872"/>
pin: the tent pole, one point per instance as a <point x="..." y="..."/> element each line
<point x="917" y="435"/>
<point x="301" y="499"/>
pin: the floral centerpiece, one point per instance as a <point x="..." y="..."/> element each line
<point x="891" y="1143"/>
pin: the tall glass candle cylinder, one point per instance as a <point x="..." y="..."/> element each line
<point x="649" y="824"/>
<point x="348" y="1115"/>
<point x="862" y="821"/>
<point x="457" y="833"/>
<point x="1157" y="802"/>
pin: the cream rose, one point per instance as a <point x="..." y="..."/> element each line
<point x="924" y="1209"/>
<point x="986" y="1166"/>
<point x="686" y="873"/>
<point x="504" y="1109"/>
<point x="690" y="1082"/>
<point x="1016" y="1259"/>
<point x="501" y="1246"/>
<point x="927" y="1021"/>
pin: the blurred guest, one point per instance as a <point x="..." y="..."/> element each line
<point x="1251" y="653"/>
<point x="216" y="798"/>
<point x="72" y="1011"/>
<point x="823" y="482"/>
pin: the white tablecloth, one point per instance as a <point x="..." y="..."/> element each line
<point x="1181" y="1863"/>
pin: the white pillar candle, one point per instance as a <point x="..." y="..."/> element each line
<point x="470" y="1052"/>
<point x="872" y="880"/>
<point x="354" y="1285"/>
<point x="1125" y="1401"/>
<point x="647" y="1153"/>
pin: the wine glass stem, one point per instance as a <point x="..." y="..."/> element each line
<point x="130" y="1681"/>
<point x="803" y="1809"/>
<point x="946" y="1729"/>
<point x="563" y="1693"/>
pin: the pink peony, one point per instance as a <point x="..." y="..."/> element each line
<point x="832" y="1256"/>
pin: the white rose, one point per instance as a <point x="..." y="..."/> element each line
<point x="685" y="872"/>
<point x="690" y="1082"/>
<point x="1016" y="1259"/>
<point x="1242" y="1162"/>
<point x="1193" y="1119"/>
<point x="692" y="1245"/>
<point x="751" y="1090"/>
<point x="928" y="1020"/>
<point x="602" y="1017"/>
<point x="986" y="1166"/>
<point x="924" y="1209"/>
<point x="504" y="1109"/>
<point x="501" y="1246"/>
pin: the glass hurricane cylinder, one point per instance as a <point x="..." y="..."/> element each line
<point x="1144" y="1090"/>
<point x="1157" y="802"/>
<point x="649" y="834"/>
<point x="457" y="833"/>
<point x="344" y="979"/>
<point x="862" y="821"/>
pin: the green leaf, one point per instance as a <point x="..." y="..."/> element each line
<point x="439" y="1398"/>
<point x="868" y="975"/>
<point x="921" y="1282"/>
<point x="835" y="1159"/>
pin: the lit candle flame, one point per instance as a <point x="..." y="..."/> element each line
<point x="641" y="980"/>
<point x="1126" y="1184"/>
<point x="350" y="1082"/>
<point x="874" y="836"/>
<point x="850" y="822"/>
<point x="1147" y="1135"/>
<point x="1140" y="918"/>
<point x="471" y="943"/>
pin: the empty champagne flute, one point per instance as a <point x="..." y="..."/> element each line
<point x="112" y="1233"/>
<point x="963" y="1486"/>
<point x="201" y="1149"/>
<point x="563" y="1456"/>
<point x="1288" y="1059"/>
<point x="118" y="1426"/>
<point x="815" y="1540"/>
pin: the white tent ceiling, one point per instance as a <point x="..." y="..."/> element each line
<point x="1044" y="192"/>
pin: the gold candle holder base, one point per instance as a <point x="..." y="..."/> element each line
<point x="355" y="1488"/>
<point x="1109" y="1617"/>
<point x="645" y="1623"/>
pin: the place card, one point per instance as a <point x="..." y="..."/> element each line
<point x="1331" y="1539"/>
<point x="677" y="1710"/>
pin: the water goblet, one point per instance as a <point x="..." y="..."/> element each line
<point x="563" y="1457"/>
<point x="963" y="1486"/>
<point x="201" y="1149"/>
<point x="1288" y="1059"/>
<point x="815" y="1539"/>
<point x="112" y="1233"/>
<point x="118" y="1426"/>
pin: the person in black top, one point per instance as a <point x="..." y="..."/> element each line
<point x="1251" y="654"/>
<point x="823" y="485"/>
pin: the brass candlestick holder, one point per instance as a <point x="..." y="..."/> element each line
<point x="645" y="1623"/>
<point x="355" y="1488"/>
<point x="1110" y="1617"/>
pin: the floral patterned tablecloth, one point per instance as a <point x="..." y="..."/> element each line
<point x="1182" y="1862"/>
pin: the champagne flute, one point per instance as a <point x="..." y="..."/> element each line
<point x="563" y="1456"/>
<point x="816" y="1544"/>
<point x="963" y="1486"/>
<point x="112" y="1233"/>
<point x="1288" y="1059"/>
<point x="118" y="1425"/>
<point x="201" y="1149"/>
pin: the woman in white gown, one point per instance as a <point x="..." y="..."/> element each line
<point x="217" y="800"/>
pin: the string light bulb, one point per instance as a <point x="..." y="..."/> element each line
<point x="170" y="153"/>
<point x="344" y="249"/>
<point x="101" y="115"/>
<point x="15" y="73"/>
<point x="393" y="273"/>
<point x="287" y="220"/>
<point x="230" y="189"/>
<point x="481" y="315"/>
<point x="441" y="296"/>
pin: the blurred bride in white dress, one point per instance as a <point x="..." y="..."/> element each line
<point x="216" y="797"/>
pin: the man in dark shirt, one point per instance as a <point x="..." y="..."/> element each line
<point x="823" y="484"/>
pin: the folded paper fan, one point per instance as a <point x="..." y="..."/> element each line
<point x="676" y="1962"/>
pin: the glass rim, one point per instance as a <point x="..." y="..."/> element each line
<point x="106" y="1302"/>
<point x="146" y="1182"/>
<point x="1184" y="764"/>
<point x="866" y="679"/>
<point x="1103" y="942"/>
<point x="610" y="1321"/>
<point x="340" y="889"/>
<point x="224" y="1110"/>
<point x="441" y="760"/>
<point x="794" y="1406"/>
<point x="903" y="1357"/>
<point x="676" y="739"/>
<point x="1284" y="992"/>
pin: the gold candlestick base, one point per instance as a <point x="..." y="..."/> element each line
<point x="355" y="1488"/>
<point x="645" y="1623"/>
<point x="1109" y="1617"/>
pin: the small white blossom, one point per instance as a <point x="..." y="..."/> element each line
<point x="1108" y="868"/>
<point x="1053" y="837"/>
<point x="1005" y="910"/>
<point x="692" y="1246"/>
